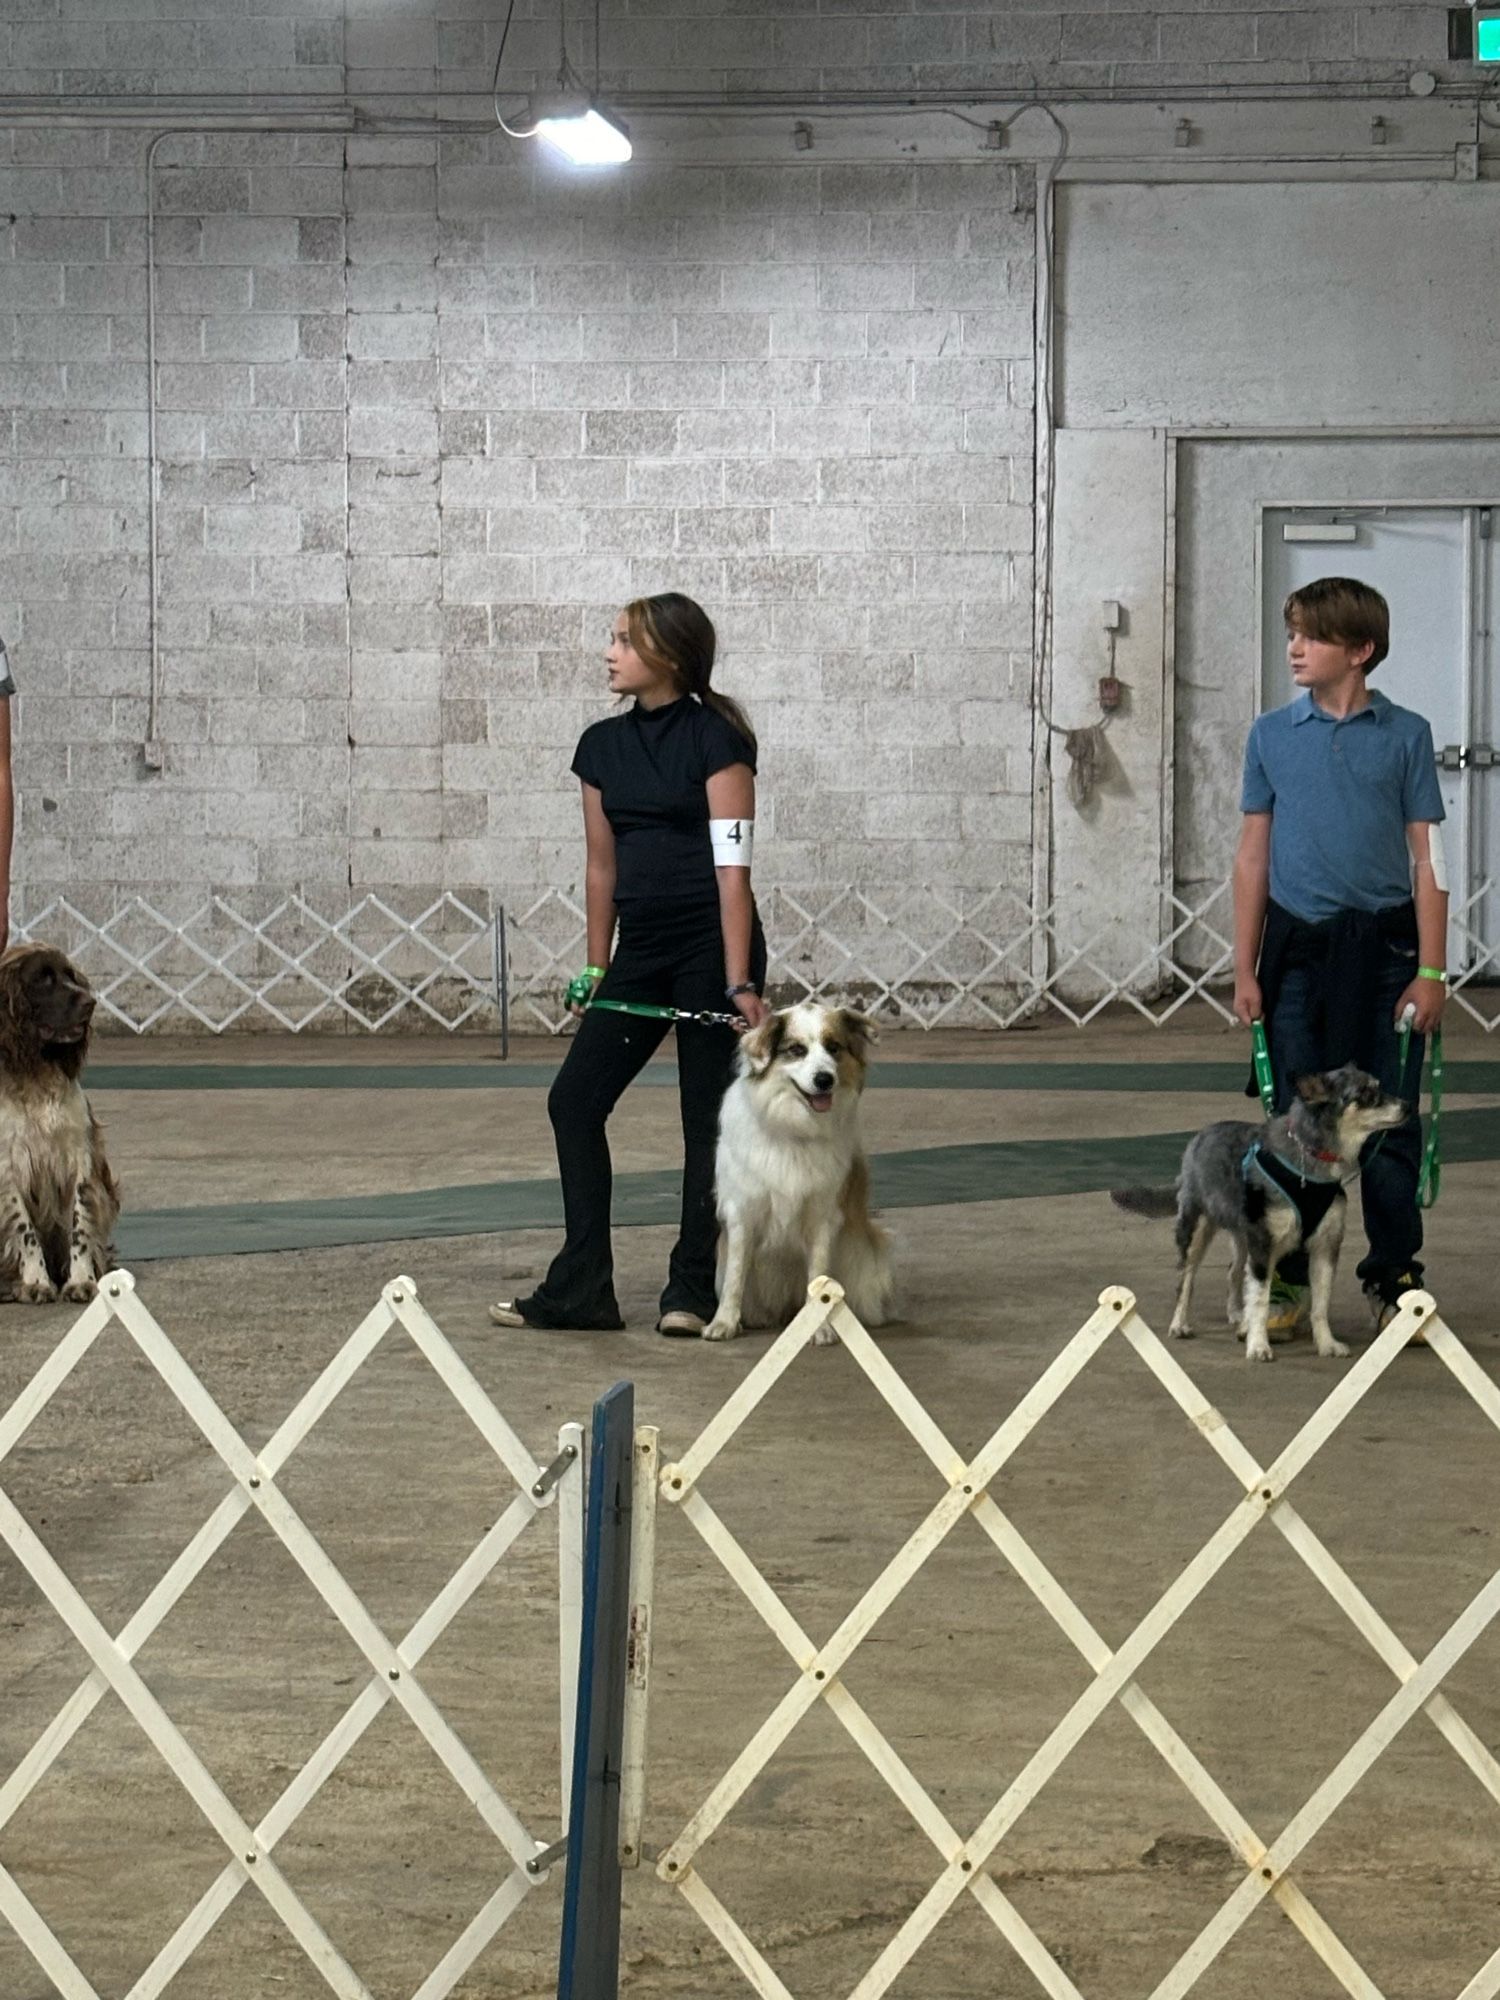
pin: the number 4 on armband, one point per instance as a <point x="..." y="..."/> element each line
<point x="735" y="834"/>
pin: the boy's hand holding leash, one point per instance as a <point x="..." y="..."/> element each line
<point x="1424" y="1000"/>
<point x="1247" y="1003"/>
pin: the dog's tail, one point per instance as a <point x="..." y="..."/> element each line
<point x="1153" y="1201"/>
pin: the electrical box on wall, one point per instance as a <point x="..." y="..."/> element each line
<point x="1474" y="35"/>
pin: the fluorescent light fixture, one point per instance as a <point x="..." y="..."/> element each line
<point x="577" y="128"/>
<point x="1320" y="531"/>
<point x="1486" y="35"/>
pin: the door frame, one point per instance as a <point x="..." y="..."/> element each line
<point x="1471" y="870"/>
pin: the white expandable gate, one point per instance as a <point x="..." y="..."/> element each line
<point x="522" y="1860"/>
<point x="919" y="957"/>
<point x="965" y="1491"/>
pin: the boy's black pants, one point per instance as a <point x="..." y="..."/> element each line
<point x="673" y="958"/>
<point x="1392" y="1161"/>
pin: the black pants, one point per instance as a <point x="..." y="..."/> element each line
<point x="1392" y="1161"/>
<point x="673" y="958"/>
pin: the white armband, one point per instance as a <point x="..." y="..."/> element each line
<point x="732" y="841"/>
<point x="1437" y="858"/>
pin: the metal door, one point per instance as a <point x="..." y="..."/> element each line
<point x="1436" y="568"/>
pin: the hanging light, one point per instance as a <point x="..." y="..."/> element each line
<point x="582" y="131"/>
<point x="569" y="117"/>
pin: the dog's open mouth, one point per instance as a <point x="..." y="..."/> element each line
<point x="820" y="1100"/>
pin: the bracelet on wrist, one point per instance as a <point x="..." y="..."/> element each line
<point x="734" y="992"/>
<point x="1432" y="972"/>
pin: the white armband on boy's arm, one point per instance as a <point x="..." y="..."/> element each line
<point x="732" y="841"/>
<point x="1437" y="859"/>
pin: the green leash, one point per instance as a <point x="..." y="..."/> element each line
<point x="703" y="1017"/>
<point x="1265" y="1082"/>
<point x="1430" y="1178"/>
<point x="580" y="994"/>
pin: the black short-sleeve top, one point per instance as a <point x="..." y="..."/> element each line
<point x="652" y="767"/>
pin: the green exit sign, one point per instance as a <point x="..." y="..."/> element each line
<point x="1474" y="34"/>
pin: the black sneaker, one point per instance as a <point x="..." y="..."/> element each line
<point x="1383" y="1297"/>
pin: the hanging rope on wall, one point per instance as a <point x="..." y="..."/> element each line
<point x="1085" y="748"/>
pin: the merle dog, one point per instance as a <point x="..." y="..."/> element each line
<point x="1273" y="1188"/>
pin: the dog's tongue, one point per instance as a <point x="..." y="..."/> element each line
<point x="820" y="1100"/>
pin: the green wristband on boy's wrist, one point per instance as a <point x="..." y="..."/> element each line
<point x="594" y="971"/>
<point x="1432" y="972"/>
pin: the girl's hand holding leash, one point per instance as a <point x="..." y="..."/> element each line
<point x="1247" y="1005"/>
<point x="753" y="1008"/>
<point x="581" y="989"/>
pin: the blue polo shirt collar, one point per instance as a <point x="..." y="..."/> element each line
<point x="1305" y="709"/>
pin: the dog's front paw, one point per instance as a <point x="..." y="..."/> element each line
<point x="81" y="1290"/>
<point x="1179" y="1330"/>
<point x="826" y="1336"/>
<point x="1258" y="1348"/>
<point x="1330" y="1349"/>
<point x="721" y="1329"/>
<point x="36" y="1291"/>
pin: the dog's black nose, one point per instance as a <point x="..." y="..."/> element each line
<point x="824" y="1080"/>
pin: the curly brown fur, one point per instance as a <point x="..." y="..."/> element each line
<point x="58" y="1199"/>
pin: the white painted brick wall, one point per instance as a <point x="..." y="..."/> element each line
<point x="412" y="461"/>
<point x="429" y="411"/>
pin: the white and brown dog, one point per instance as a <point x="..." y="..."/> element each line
<point x="793" y="1186"/>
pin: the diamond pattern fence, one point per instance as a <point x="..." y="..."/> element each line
<point x="965" y="1491"/>
<point x="520" y="1860"/>
<point x="925" y="958"/>
<point x="374" y="967"/>
<point x="914" y="957"/>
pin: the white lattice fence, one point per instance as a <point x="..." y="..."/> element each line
<point x="925" y="958"/>
<point x="965" y="1491"/>
<point x="518" y="1859"/>
<point x="915" y="957"/>
<point x="286" y="966"/>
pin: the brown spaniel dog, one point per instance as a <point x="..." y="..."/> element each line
<point x="58" y="1199"/>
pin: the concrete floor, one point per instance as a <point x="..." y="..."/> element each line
<point x="1115" y="1866"/>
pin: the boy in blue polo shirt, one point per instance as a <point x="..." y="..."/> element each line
<point x="1341" y="903"/>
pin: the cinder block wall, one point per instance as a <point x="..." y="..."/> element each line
<point x="430" y="409"/>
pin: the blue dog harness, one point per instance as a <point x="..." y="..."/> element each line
<point x="1311" y="1199"/>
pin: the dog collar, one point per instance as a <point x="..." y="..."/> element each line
<point x="1301" y="1168"/>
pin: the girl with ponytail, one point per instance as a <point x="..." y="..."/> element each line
<point x="669" y="826"/>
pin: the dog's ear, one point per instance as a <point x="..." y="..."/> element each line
<point x="857" y="1029"/>
<point x="760" y="1047"/>
<point x="18" y="1046"/>
<point x="1313" y="1089"/>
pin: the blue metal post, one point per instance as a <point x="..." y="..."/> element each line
<point x="589" y="1961"/>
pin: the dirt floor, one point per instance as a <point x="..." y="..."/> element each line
<point x="1115" y="1866"/>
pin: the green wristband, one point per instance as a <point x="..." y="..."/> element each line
<point x="1432" y="972"/>
<point x="581" y="988"/>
